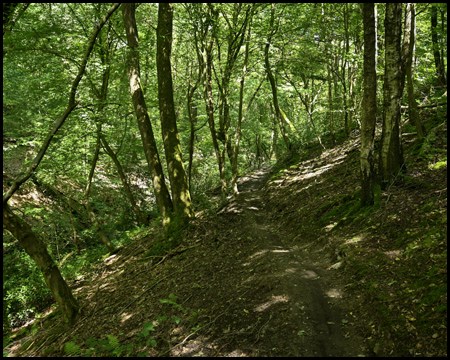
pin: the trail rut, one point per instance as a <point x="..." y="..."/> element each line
<point x="292" y="306"/>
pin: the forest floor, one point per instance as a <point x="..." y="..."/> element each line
<point x="291" y="267"/>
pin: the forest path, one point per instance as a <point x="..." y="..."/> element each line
<point x="240" y="286"/>
<point x="283" y="301"/>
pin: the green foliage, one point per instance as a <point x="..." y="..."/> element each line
<point x="42" y="54"/>
<point x="21" y="300"/>
<point x="72" y="349"/>
<point x="111" y="345"/>
<point x="172" y="300"/>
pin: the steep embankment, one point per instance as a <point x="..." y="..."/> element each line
<point x="291" y="267"/>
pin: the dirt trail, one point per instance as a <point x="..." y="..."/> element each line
<point x="244" y="288"/>
<point x="292" y="305"/>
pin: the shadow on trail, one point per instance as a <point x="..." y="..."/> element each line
<point x="282" y="300"/>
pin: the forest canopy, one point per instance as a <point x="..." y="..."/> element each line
<point x="121" y="117"/>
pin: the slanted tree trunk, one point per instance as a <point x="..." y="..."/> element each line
<point x="369" y="106"/>
<point x="71" y="104"/>
<point x="125" y="184"/>
<point x="20" y="229"/>
<point x="391" y="154"/>
<point x="92" y="217"/>
<point x="178" y="182"/>
<point x="36" y="249"/>
<point x="145" y="127"/>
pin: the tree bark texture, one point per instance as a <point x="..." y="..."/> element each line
<point x="391" y="154"/>
<point x="273" y="85"/>
<point x="369" y="107"/>
<point x="181" y="197"/>
<point x="192" y="114"/>
<point x="438" y="59"/>
<point x="210" y="111"/>
<point x="413" y="112"/>
<point x="37" y="250"/>
<point x="206" y="61"/>
<point x="145" y="127"/>
<point x="234" y="163"/>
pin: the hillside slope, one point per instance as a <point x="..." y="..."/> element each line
<point x="291" y="267"/>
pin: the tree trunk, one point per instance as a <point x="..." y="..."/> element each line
<point x="92" y="217"/>
<point x="20" y="229"/>
<point x="125" y="184"/>
<point x="278" y="116"/>
<point x="413" y="113"/>
<point x="207" y="86"/>
<point x="180" y="190"/>
<point x="369" y="107"/>
<point x="330" y="100"/>
<point x="145" y="127"/>
<point x="192" y="114"/>
<point x="36" y="249"/>
<point x="391" y="155"/>
<point x="234" y="171"/>
<point x="344" y="67"/>
<point x="71" y="104"/>
<point x="210" y="110"/>
<point x="275" y="134"/>
<point x="438" y="60"/>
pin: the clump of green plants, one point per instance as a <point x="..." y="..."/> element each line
<point x="110" y="346"/>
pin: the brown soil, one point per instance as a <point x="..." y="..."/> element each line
<point x="273" y="273"/>
<point x="244" y="288"/>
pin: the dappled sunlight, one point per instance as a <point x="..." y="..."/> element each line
<point x="253" y="208"/>
<point x="262" y="252"/>
<point x="355" y="239"/>
<point x="393" y="254"/>
<point x="316" y="172"/>
<point x="334" y="293"/>
<point x="124" y="317"/>
<point x="310" y="275"/>
<point x="274" y="300"/>
<point x="273" y="275"/>
<point x="330" y="226"/>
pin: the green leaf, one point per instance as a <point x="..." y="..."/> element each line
<point x="71" y="348"/>
<point x="176" y="319"/>
<point x="113" y="341"/>
<point x="152" y="342"/>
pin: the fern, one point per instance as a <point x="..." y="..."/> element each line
<point x="113" y="341"/>
<point x="70" y="348"/>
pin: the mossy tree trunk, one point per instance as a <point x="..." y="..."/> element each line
<point x="181" y="197"/>
<point x="36" y="249"/>
<point x="410" y="22"/>
<point x="145" y="127"/>
<point x="206" y="62"/>
<point x="391" y="154"/>
<point x="369" y="106"/>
